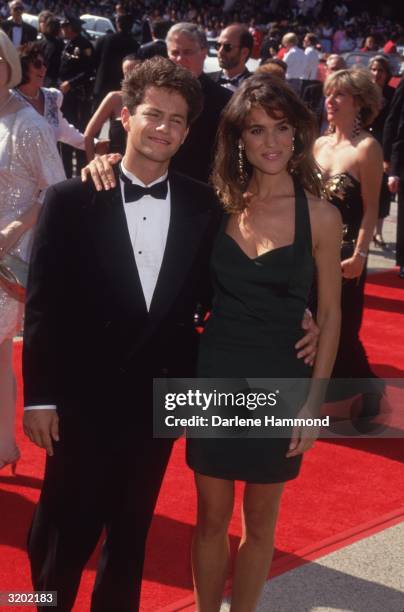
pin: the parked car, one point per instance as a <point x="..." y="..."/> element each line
<point x="362" y="58"/>
<point x="32" y="20"/>
<point x="96" y="26"/>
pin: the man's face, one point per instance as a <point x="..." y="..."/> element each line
<point x="229" y="52"/>
<point x="186" y="52"/>
<point x="67" y="32"/>
<point x="16" y="10"/>
<point x="332" y="65"/>
<point x="42" y="24"/>
<point x="159" y="125"/>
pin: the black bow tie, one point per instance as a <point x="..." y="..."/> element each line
<point x="225" y="81"/>
<point x="133" y="193"/>
<point x="17" y="25"/>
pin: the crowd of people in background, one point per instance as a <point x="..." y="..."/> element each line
<point x="338" y="27"/>
<point x="339" y="132"/>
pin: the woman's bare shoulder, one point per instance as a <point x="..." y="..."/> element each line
<point x="323" y="214"/>
<point x="321" y="142"/>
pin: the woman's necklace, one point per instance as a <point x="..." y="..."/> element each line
<point x="33" y="98"/>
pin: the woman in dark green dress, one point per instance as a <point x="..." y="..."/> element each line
<point x="276" y="232"/>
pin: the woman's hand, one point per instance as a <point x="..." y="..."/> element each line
<point x="353" y="267"/>
<point x="303" y="437"/>
<point x="101" y="172"/>
<point x="307" y="346"/>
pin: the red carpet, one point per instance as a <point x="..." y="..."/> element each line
<point x="347" y="488"/>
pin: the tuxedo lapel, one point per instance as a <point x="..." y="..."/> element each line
<point x="183" y="242"/>
<point x="110" y="235"/>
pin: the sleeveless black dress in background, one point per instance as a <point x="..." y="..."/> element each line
<point x="344" y="191"/>
<point x="255" y="323"/>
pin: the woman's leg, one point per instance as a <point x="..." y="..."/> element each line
<point x="210" y="546"/>
<point x="8" y="449"/>
<point x="260" y="512"/>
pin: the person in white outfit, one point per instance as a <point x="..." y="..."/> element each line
<point x="309" y="43"/>
<point x="46" y="101"/>
<point x="296" y="61"/>
<point x="29" y="163"/>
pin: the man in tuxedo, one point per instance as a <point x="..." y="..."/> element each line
<point x="114" y="282"/>
<point x="158" y="45"/>
<point x="109" y="52"/>
<point x="16" y="29"/>
<point x="393" y="152"/>
<point x="187" y="46"/>
<point x="234" y="47"/>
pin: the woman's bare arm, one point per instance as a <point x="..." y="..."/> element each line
<point x="327" y="235"/>
<point x="106" y="110"/>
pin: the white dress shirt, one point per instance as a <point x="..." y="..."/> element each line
<point x="296" y="61"/>
<point x="17" y="36"/>
<point x="148" y="220"/>
<point x="312" y="63"/>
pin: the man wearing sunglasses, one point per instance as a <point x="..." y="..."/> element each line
<point x="233" y="47"/>
<point x="16" y="29"/>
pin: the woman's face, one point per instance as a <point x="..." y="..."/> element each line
<point x="4" y="71"/>
<point x="379" y="74"/>
<point x="37" y="71"/>
<point x="268" y="142"/>
<point x="340" y="105"/>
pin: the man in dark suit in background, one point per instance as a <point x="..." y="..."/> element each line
<point x="16" y="29"/>
<point x="188" y="47"/>
<point x="393" y="153"/>
<point x="157" y="46"/>
<point x="114" y="281"/>
<point x="108" y="55"/>
<point x="234" y="47"/>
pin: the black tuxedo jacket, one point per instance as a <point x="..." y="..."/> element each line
<point x="153" y="48"/>
<point x="314" y="97"/>
<point x="108" y="55"/>
<point x="195" y="156"/>
<point x="89" y="342"/>
<point x="29" y="33"/>
<point x="393" y="135"/>
<point x="215" y="76"/>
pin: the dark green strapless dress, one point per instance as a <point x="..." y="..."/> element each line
<point x="255" y="323"/>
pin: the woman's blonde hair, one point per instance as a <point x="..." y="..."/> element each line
<point x="10" y="54"/>
<point x="358" y="83"/>
<point x="278" y="100"/>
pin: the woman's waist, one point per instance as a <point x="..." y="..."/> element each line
<point x="231" y="327"/>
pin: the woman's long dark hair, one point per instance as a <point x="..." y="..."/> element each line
<point x="277" y="99"/>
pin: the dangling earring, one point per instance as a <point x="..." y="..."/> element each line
<point x="357" y="126"/>
<point x="291" y="167"/>
<point x="242" y="175"/>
